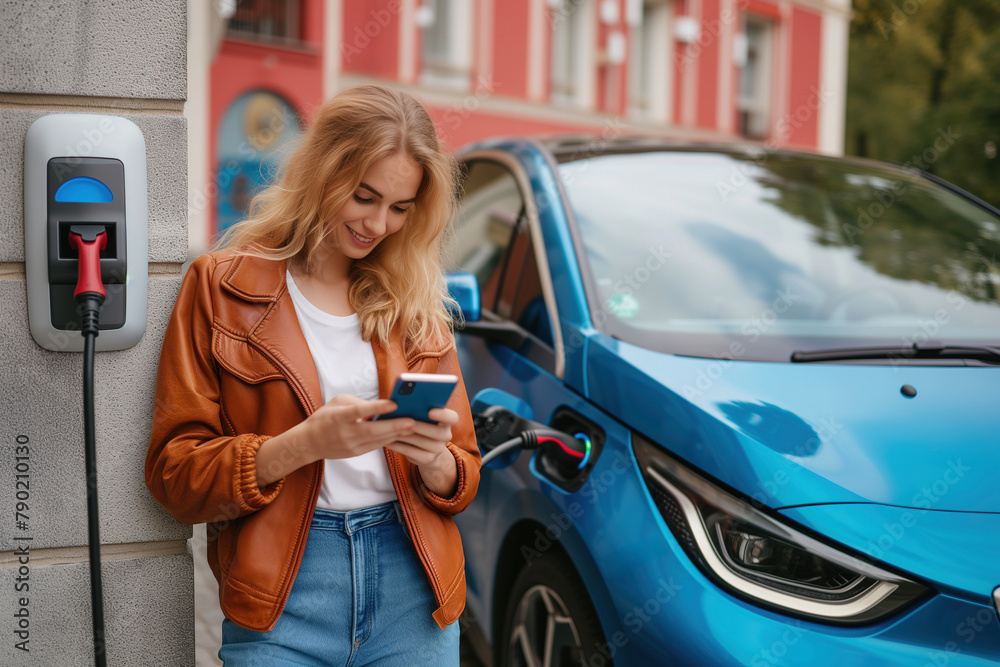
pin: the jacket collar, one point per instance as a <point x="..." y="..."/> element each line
<point x="256" y="279"/>
<point x="278" y="335"/>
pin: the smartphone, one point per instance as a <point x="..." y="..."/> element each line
<point x="417" y="393"/>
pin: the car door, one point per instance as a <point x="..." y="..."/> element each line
<point x="511" y="358"/>
<point x="492" y="240"/>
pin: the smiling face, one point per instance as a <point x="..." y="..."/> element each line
<point x="378" y="207"/>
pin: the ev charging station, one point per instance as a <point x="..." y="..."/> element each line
<point x="85" y="247"/>
<point x="85" y="170"/>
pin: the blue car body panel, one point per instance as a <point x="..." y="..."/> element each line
<point x="511" y="495"/>
<point x="835" y="448"/>
<point x="799" y="434"/>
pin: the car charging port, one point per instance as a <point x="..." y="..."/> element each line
<point x="563" y="458"/>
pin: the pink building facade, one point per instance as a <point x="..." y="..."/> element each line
<point x="771" y="72"/>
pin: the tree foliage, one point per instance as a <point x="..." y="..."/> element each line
<point x="923" y="69"/>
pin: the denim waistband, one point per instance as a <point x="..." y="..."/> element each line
<point x="352" y="521"/>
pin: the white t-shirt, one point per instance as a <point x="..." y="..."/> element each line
<point x="346" y="365"/>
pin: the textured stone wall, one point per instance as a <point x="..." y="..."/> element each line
<point x="126" y="59"/>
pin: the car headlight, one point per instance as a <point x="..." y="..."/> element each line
<point x="765" y="560"/>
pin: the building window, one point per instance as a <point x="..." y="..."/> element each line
<point x="754" y="101"/>
<point x="446" y="43"/>
<point x="649" y="76"/>
<point x="267" y="20"/>
<point x="255" y="133"/>
<point x="571" y="52"/>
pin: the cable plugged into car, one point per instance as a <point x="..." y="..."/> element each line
<point x="563" y="457"/>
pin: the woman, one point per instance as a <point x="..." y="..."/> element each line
<point x="330" y="534"/>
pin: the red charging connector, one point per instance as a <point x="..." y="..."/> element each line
<point x="88" y="241"/>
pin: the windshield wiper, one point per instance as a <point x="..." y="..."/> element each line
<point x="929" y="350"/>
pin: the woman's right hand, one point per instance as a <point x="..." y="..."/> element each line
<point x="344" y="428"/>
<point x="340" y="429"/>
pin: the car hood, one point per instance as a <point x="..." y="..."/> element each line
<point x="800" y="434"/>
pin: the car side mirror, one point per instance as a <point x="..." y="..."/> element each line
<point x="464" y="288"/>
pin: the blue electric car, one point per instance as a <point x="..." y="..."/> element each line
<point x="785" y="371"/>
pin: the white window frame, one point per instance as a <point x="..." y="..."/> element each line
<point x="759" y="105"/>
<point x="453" y="69"/>
<point x="568" y="19"/>
<point x="650" y="48"/>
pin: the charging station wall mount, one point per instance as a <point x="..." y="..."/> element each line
<point x="85" y="169"/>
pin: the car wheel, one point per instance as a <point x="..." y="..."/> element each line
<point x="549" y="620"/>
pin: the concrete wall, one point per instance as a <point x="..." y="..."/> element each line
<point x="125" y="59"/>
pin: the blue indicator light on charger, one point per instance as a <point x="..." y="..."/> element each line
<point x="84" y="190"/>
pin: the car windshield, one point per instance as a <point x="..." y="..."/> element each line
<point x="733" y="255"/>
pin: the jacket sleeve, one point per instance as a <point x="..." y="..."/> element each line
<point x="463" y="447"/>
<point x="193" y="468"/>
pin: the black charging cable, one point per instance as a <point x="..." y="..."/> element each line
<point x="503" y="448"/>
<point x="533" y="438"/>
<point x="89" y="241"/>
<point x="500" y="431"/>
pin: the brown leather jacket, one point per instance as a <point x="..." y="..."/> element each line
<point x="235" y="370"/>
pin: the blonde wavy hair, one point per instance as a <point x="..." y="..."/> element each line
<point x="399" y="286"/>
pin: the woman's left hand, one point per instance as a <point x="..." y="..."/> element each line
<point x="427" y="449"/>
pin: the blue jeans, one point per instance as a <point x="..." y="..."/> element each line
<point x="361" y="597"/>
